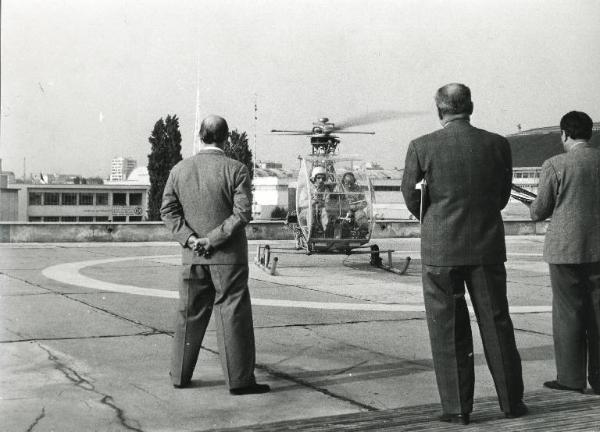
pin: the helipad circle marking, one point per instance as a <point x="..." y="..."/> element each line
<point x="69" y="273"/>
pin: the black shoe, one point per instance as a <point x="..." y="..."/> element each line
<point x="180" y="386"/>
<point x="455" y="418"/>
<point x="251" y="389"/>
<point x="555" y="385"/>
<point x="519" y="410"/>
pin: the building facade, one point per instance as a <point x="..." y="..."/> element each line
<point x="78" y="203"/>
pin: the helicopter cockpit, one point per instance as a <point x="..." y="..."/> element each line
<point x="333" y="204"/>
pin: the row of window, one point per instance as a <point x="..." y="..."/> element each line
<point x="527" y="175"/>
<point x="84" y="198"/>
<point x="84" y="219"/>
<point x="386" y="188"/>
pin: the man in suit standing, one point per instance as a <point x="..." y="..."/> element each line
<point x="468" y="175"/>
<point x="206" y="205"/>
<point x="569" y="191"/>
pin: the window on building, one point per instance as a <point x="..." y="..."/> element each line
<point x="35" y="198"/>
<point x="135" y="218"/>
<point x="386" y="188"/>
<point x="86" y="199"/>
<point x="101" y="199"/>
<point x="69" y="198"/>
<point x="68" y="219"/>
<point x="51" y="198"/>
<point x="35" y="219"/>
<point x="120" y="199"/>
<point x="101" y="218"/>
<point x="119" y="218"/>
<point x="518" y="175"/>
<point x="135" y="199"/>
<point x="86" y="218"/>
<point x="51" y="218"/>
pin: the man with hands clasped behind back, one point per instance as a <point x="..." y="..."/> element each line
<point x="207" y="204"/>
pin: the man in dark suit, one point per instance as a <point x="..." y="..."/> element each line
<point x="468" y="174"/>
<point x="207" y="204"/>
<point x="569" y="191"/>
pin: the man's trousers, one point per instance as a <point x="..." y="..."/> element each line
<point x="223" y="287"/>
<point x="452" y="341"/>
<point x="576" y="323"/>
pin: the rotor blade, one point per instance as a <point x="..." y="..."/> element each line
<point x="294" y="132"/>
<point x="354" y="132"/>
<point x="376" y="117"/>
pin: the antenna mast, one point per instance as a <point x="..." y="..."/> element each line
<point x="196" y="142"/>
<point x="254" y="141"/>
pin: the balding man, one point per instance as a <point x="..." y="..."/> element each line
<point x="468" y="175"/>
<point x="207" y="204"/>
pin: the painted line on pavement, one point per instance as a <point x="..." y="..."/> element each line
<point x="69" y="273"/>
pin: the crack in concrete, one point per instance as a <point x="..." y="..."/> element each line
<point x="106" y="311"/>
<point x="69" y="373"/>
<point x="322" y="390"/>
<point x="304" y="383"/>
<point x="421" y="364"/>
<point x="302" y="287"/>
<point x="533" y="332"/>
<point x="37" y="420"/>
<point x="324" y="324"/>
<point x="81" y="382"/>
<point x="351" y="367"/>
<point x="148" y="333"/>
<point x="109" y="401"/>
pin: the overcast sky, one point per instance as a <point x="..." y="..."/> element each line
<point x="84" y="81"/>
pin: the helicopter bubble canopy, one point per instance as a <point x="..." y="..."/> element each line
<point x="333" y="204"/>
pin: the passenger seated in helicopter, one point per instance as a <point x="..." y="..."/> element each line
<point x="356" y="219"/>
<point x="318" y="196"/>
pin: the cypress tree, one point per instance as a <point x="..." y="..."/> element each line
<point x="165" y="153"/>
<point x="237" y="148"/>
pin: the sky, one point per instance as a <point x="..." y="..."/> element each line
<point x="84" y="81"/>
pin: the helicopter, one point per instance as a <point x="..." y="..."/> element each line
<point x="331" y="207"/>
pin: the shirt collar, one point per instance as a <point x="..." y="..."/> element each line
<point x="211" y="149"/>
<point x="577" y="144"/>
<point x="455" y="118"/>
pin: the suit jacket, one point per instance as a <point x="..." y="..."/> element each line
<point x="569" y="191"/>
<point x="209" y="194"/>
<point x="469" y="175"/>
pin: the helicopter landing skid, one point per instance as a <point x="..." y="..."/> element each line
<point x="376" y="261"/>
<point x="263" y="259"/>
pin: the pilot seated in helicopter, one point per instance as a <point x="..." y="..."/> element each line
<point x="319" y="190"/>
<point x="356" y="220"/>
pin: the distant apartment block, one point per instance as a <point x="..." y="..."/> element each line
<point x="121" y="167"/>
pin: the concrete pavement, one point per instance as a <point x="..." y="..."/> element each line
<point x="86" y="330"/>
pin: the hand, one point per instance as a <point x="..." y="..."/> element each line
<point x="200" y="246"/>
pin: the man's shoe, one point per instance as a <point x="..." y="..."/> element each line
<point x="519" y="410"/>
<point x="455" y="418"/>
<point x="180" y="386"/>
<point x="555" y="385"/>
<point x="251" y="389"/>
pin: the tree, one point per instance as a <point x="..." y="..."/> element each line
<point x="237" y="148"/>
<point x="278" y="213"/>
<point x="165" y="153"/>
